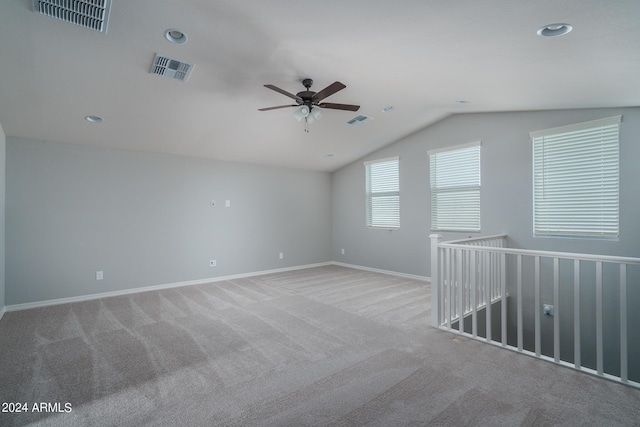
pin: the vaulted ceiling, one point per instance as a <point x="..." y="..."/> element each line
<point x="427" y="59"/>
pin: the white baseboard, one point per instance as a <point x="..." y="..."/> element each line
<point x="389" y="272"/>
<point x="58" y="301"/>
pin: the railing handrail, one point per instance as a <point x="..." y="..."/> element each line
<point x="533" y="252"/>
<point x="477" y="239"/>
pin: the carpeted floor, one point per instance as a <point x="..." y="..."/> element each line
<point x="326" y="346"/>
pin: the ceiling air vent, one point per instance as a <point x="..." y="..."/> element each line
<point x="92" y="14"/>
<point x="359" y="120"/>
<point x="171" y="68"/>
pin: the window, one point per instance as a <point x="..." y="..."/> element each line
<point x="575" y="179"/>
<point x="455" y="188"/>
<point x="383" y="193"/>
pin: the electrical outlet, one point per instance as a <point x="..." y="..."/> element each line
<point x="281" y="255"/>
<point x="213" y="263"/>
<point x="99" y="275"/>
<point x="228" y="203"/>
<point x="213" y="203"/>
<point x="342" y="251"/>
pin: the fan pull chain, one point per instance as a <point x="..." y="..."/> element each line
<point x="306" y="125"/>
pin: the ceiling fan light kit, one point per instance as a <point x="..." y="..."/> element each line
<point x="316" y="113"/>
<point x="301" y="113"/>
<point x="309" y="103"/>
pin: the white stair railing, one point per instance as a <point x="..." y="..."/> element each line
<point x="478" y="275"/>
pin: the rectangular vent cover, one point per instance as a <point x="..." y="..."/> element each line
<point x="359" y="120"/>
<point x="92" y="14"/>
<point x="171" y="68"/>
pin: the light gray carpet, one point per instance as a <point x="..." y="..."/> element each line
<point x="327" y="346"/>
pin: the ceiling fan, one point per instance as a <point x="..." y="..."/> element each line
<point x="309" y="103"/>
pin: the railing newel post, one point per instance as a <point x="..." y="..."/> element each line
<point x="436" y="306"/>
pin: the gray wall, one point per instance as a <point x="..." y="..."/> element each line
<point x="506" y="207"/>
<point x="2" y="215"/>
<point x="145" y="219"/>
<point x="506" y="195"/>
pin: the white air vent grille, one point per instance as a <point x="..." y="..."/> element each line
<point x="92" y="14"/>
<point x="172" y="68"/>
<point x="359" y="120"/>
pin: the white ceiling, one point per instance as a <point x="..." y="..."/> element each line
<point x="419" y="56"/>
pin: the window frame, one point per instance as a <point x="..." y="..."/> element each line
<point x="579" y="141"/>
<point x="474" y="185"/>
<point x="392" y="223"/>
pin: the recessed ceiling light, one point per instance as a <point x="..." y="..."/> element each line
<point x="94" y="119"/>
<point x="463" y="101"/>
<point x="388" y="109"/>
<point x="328" y="156"/>
<point x="554" y="30"/>
<point x="175" y="36"/>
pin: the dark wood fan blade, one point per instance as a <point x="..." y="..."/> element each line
<point x="275" y="108"/>
<point x="347" y="107"/>
<point x="284" y="92"/>
<point x="327" y="91"/>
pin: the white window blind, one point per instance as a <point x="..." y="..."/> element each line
<point x="575" y="179"/>
<point x="383" y="193"/>
<point x="455" y="188"/>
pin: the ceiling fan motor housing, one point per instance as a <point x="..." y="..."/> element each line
<point x="306" y="95"/>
